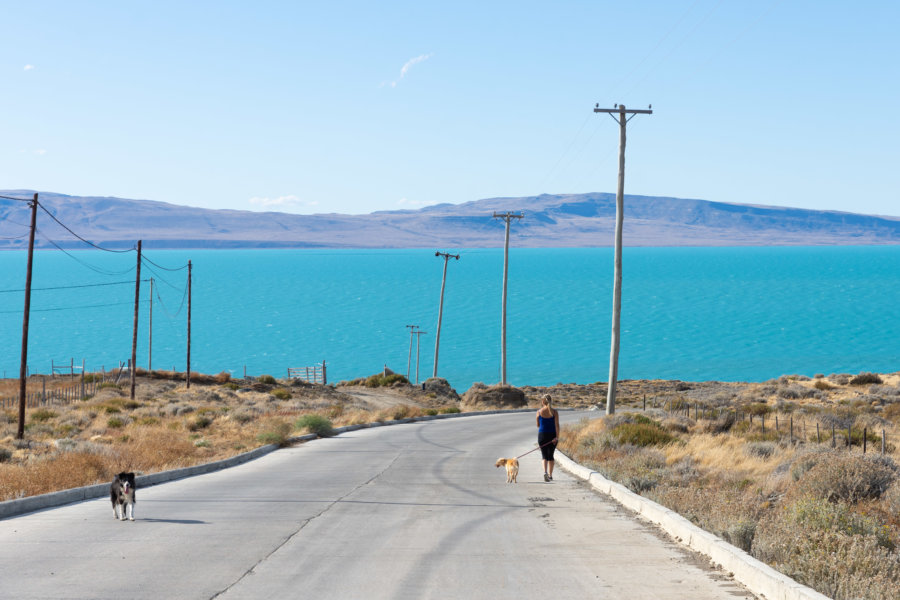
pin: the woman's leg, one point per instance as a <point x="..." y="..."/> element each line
<point x="550" y="462"/>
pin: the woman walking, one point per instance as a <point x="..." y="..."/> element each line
<point x="548" y="434"/>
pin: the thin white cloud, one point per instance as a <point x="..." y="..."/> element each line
<point x="409" y="65"/>
<point x="28" y="67"/>
<point x="290" y="201"/>
<point x="406" y="203"/>
<point x="40" y="152"/>
<point x="411" y="62"/>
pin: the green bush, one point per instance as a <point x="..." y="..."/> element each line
<point x="282" y="394"/>
<point x="373" y="381"/>
<point x="450" y="410"/>
<point x="231" y="386"/>
<point x="267" y="379"/>
<point x="278" y="434"/>
<point x="641" y="434"/>
<point x="115" y="423"/>
<point x="317" y="424"/>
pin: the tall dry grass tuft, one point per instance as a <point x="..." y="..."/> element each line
<point x="67" y="470"/>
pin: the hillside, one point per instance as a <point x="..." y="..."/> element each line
<point x="575" y="220"/>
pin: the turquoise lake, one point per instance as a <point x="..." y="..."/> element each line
<point x="730" y="314"/>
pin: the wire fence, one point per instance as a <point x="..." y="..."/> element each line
<point x="778" y="427"/>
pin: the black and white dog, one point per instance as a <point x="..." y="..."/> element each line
<point x="121" y="493"/>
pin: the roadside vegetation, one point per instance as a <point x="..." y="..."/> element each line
<point x="169" y="426"/>
<point x="753" y="463"/>
<point x="821" y="512"/>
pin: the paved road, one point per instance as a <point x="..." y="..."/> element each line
<point x="412" y="511"/>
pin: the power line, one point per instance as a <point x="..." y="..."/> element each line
<point x="145" y="259"/>
<point x="67" y="287"/>
<point x="59" y="308"/>
<point x="89" y="243"/>
<point x="16" y="199"/>
<point x="91" y="267"/>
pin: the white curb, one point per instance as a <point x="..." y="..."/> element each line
<point x="758" y="577"/>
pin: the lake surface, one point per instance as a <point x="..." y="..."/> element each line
<point x="730" y="314"/>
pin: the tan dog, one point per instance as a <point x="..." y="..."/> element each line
<point x="512" y="468"/>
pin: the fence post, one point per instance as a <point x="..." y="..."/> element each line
<point x="865" y="432"/>
<point x="882" y="441"/>
<point x="792" y="430"/>
<point x="818" y="438"/>
<point x="849" y="439"/>
<point x="833" y="440"/>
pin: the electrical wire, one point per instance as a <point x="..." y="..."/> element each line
<point x="91" y="267"/>
<point x="89" y="243"/>
<point x="163" y="279"/>
<point x="17" y="199"/>
<point x="68" y="287"/>
<point x="145" y="259"/>
<point x="75" y="307"/>
<point x="166" y="310"/>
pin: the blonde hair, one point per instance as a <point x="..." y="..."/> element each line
<point x="546" y="400"/>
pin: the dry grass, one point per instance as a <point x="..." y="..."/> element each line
<point x="168" y="425"/>
<point x="827" y="517"/>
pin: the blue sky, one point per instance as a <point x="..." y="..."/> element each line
<point x="354" y="107"/>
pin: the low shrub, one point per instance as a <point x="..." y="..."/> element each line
<point x="450" y="410"/>
<point x="314" y="423"/>
<point x="42" y="414"/>
<point x="865" y="379"/>
<point x="276" y="432"/>
<point x="760" y="449"/>
<point x="115" y="423"/>
<point x="267" y="379"/>
<point x="837" y="477"/>
<point x="200" y="422"/>
<point x="282" y="394"/>
<point x="641" y="434"/>
<point x="223" y="377"/>
<point x="374" y="381"/>
<point x="806" y="545"/>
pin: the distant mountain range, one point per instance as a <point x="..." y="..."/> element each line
<point x="566" y="220"/>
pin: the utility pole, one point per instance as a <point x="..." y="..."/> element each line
<point x="188" y="374"/>
<point x="23" y="369"/>
<point x="622" y="120"/>
<point x="412" y="331"/>
<point x="418" y="333"/>
<point x="437" y="338"/>
<point x="150" y="344"/>
<point x="508" y="216"/>
<point x="137" y="300"/>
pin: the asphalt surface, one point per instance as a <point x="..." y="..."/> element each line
<point x="409" y="511"/>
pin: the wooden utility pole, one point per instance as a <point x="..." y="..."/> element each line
<point x="508" y="216"/>
<point x="150" y="329"/>
<point x="418" y="333"/>
<point x="622" y="120"/>
<point x="188" y="374"/>
<point x="23" y="368"/>
<point x="437" y="338"/>
<point x="137" y="301"/>
<point x="412" y="331"/>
